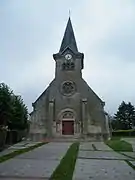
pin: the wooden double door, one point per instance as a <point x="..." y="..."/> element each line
<point x="67" y="127"/>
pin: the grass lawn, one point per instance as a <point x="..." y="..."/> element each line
<point x="130" y="164"/>
<point x="20" y="151"/>
<point x="65" y="169"/>
<point x="119" y="145"/>
<point x="115" y="138"/>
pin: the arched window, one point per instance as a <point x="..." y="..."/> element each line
<point x="68" y="115"/>
<point x="63" y="66"/>
<point x="72" y="65"/>
<point x="69" y="65"/>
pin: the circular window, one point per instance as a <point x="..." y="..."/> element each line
<point x="68" y="88"/>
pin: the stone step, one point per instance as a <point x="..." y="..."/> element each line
<point x="67" y="139"/>
<point x="62" y="139"/>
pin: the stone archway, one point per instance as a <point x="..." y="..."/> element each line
<point x="66" y="122"/>
<point x="68" y="119"/>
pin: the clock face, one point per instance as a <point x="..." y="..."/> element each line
<point x="68" y="56"/>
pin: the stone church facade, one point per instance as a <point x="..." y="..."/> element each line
<point x="69" y="107"/>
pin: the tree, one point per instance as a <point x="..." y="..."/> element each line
<point x="125" y="116"/>
<point x="19" y="113"/>
<point x="5" y="104"/>
<point x="115" y="124"/>
<point x="13" y="111"/>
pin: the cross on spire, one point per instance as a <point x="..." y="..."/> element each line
<point x="69" y="13"/>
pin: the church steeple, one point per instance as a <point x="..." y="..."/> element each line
<point x="68" y="46"/>
<point x="69" y="39"/>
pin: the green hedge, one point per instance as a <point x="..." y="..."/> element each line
<point x="127" y="133"/>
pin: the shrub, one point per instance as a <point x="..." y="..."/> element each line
<point x="126" y="133"/>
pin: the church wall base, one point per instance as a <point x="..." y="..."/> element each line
<point x="37" y="136"/>
<point x="96" y="136"/>
<point x="82" y="137"/>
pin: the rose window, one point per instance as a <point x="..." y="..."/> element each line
<point x="68" y="88"/>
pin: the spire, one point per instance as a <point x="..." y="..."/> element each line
<point x="69" y="38"/>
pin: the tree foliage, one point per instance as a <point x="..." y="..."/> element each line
<point x="13" y="111"/>
<point x="125" y="116"/>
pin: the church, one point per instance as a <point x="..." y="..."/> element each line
<point x="69" y="108"/>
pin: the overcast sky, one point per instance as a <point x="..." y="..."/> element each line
<point x="32" y="30"/>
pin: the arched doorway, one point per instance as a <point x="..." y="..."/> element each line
<point x="68" y="119"/>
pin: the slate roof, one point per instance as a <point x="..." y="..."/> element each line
<point x="69" y="39"/>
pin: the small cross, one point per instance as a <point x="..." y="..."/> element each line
<point x="69" y="12"/>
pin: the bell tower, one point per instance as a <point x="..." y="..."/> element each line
<point x="69" y="61"/>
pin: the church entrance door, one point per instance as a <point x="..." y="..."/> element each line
<point x="67" y="127"/>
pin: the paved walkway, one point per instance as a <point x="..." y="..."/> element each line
<point x="103" y="163"/>
<point x="18" y="146"/>
<point x="37" y="164"/>
<point x="95" y="161"/>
